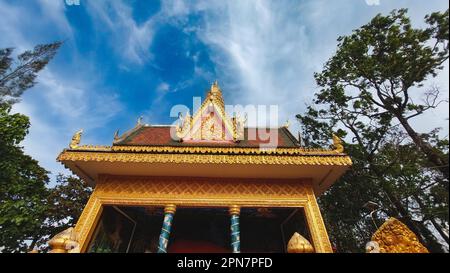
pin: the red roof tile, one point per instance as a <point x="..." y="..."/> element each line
<point x="160" y="136"/>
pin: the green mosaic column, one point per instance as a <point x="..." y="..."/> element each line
<point x="169" y="211"/>
<point x="235" y="233"/>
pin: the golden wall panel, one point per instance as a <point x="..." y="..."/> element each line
<point x="202" y="192"/>
<point x="174" y="189"/>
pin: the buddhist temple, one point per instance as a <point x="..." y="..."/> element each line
<point x="207" y="184"/>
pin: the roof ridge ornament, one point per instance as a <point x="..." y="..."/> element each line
<point x="139" y="121"/>
<point x="76" y="139"/>
<point x="215" y="87"/>
<point x="338" y="144"/>
<point x="202" y="126"/>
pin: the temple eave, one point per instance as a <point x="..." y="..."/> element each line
<point x="322" y="169"/>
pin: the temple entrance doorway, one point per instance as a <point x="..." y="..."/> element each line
<point x="196" y="230"/>
<point x="200" y="230"/>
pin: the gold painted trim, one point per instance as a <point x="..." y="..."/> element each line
<point x="316" y="225"/>
<point x="171" y="208"/>
<point x="204" y="159"/>
<point x="212" y="150"/>
<point x="88" y="220"/>
<point x="234" y="210"/>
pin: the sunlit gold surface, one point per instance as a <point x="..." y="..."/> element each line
<point x="65" y="242"/>
<point x="201" y="158"/>
<point x="213" y="99"/>
<point x="203" y="192"/>
<point x="210" y="150"/>
<point x="234" y="210"/>
<point x="337" y="143"/>
<point x="76" y="139"/>
<point x="299" y="244"/>
<point x="395" y="237"/>
<point x="171" y="208"/>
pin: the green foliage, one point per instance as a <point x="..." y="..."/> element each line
<point x="65" y="202"/>
<point x="365" y="88"/>
<point x="377" y="68"/>
<point x="22" y="185"/>
<point x="29" y="211"/>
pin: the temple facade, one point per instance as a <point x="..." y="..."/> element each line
<point x="209" y="184"/>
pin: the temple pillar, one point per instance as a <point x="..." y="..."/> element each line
<point x="320" y="239"/>
<point x="169" y="211"/>
<point x="235" y="232"/>
<point x="88" y="220"/>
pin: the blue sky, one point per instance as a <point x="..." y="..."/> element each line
<point x="124" y="59"/>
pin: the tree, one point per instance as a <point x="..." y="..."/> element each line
<point x="23" y="191"/>
<point x="22" y="185"/>
<point x="16" y="76"/>
<point x="383" y="64"/>
<point x="65" y="204"/>
<point x="364" y="88"/>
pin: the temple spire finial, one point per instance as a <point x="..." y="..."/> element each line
<point x="215" y="89"/>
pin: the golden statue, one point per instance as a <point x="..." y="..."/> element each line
<point x="65" y="242"/>
<point x="299" y="244"/>
<point x="337" y="143"/>
<point x="395" y="237"/>
<point x="76" y="139"/>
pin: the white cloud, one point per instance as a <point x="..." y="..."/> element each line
<point x="62" y="101"/>
<point x="266" y="52"/>
<point x="163" y="87"/>
<point x="59" y="106"/>
<point x="130" y="39"/>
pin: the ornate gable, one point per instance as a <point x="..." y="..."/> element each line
<point x="210" y="123"/>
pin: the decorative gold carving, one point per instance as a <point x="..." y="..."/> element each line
<point x="316" y="225"/>
<point x="204" y="158"/>
<point x="287" y="124"/>
<point x="76" y="139"/>
<point x="185" y="125"/>
<point x="299" y="244"/>
<point x="213" y="99"/>
<point x="181" y="191"/>
<point x="159" y="191"/>
<point x="238" y="127"/>
<point x="65" y="242"/>
<point x="179" y="188"/>
<point x="395" y="237"/>
<point x="93" y="148"/>
<point x="209" y="130"/>
<point x="88" y="220"/>
<point x="171" y="208"/>
<point x="234" y="210"/>
<point x="337" y="143"/>
<point x="214" y="150"/>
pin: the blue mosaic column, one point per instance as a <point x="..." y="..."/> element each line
<point x="235" y="233"/>
<point x="169" y="211"/>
